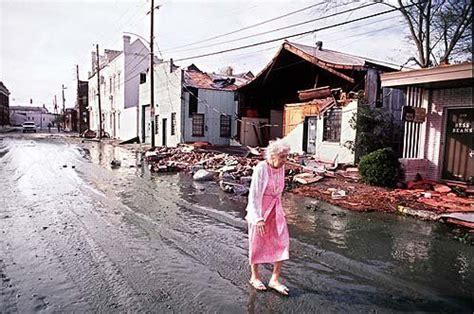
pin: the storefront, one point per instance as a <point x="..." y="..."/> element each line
<point x="438" y="118"/>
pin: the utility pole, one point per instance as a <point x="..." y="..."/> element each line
<point x="152" y="77"/>
<point x="64" y="107"/>
<point x="98" y="90"/>
<point x="79" y="113"/>
<point x="56" y="112"/>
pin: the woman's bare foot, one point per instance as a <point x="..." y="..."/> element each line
<point x="277" y="286"/>
<point x="257" y="284"/>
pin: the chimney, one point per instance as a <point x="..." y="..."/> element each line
<point x="319" y="45"/>
<point x="171" y="65"/>
<point x="126" y="43"/>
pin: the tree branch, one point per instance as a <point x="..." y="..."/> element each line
<point x="466" y="20"/>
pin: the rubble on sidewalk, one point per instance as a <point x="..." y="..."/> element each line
<point x="205" y="164"/>
<point x="309" y="177"/>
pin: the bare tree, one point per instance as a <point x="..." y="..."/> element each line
<point x="440" y="29"/>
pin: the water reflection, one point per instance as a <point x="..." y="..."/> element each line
<point x="410" y="247"/>
<point x="417" y="251"/>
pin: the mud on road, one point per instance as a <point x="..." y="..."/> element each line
<point x="77" y="235"/>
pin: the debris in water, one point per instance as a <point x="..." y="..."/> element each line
<point x="115" y="163"/>
<point x="203" y="175"/>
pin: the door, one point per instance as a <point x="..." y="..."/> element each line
<point x="311" y="139"/>
<point x="459" y="146"/>
<point x="114" y="129"/>
<point x="164" y="132"/>
<point x="146" y="124"/>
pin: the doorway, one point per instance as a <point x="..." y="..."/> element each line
<point x="164" y="133"/>
<point x="310" y="135"/>
<point x="459" y="146"/>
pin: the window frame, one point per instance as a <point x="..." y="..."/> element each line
<point x="332" y="125"/>
<point x="194" y="126"/>
<point x="225" y="125"/>
<point x="157" y="120"/>
<point x="173" y="123"/>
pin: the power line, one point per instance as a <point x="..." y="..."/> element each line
<point x="293" y="35"/>
<point x="247" y="27"/>
<point x="277" y="29"/>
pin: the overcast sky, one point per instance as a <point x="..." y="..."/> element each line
<point x="42" y="41"/>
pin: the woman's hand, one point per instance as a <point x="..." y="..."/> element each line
<point x="261" y="227"/>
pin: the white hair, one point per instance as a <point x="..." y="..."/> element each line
<point x="277" y="147"/>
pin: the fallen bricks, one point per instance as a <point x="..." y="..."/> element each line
<point x="199" y="162"/>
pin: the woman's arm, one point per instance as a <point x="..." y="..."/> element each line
<point x="257" y="187"/>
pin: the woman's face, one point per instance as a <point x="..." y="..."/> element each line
<point x="277" y="160"/>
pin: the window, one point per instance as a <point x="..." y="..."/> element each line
<point x="142" y="78"/>
<point x="173" y="123"/>
<point x="193" y="100"/>
<point x="225" y="125"/>
<point x="115" y="86"/>
<point x="110" y="85"/>
<point x="157" y="118"/>
<point x="118" y="83"/>
<point x="332" y="125"/>
<point x="198" y="124"/>
<point x="118" y="120"/>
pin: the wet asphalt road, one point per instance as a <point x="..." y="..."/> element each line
<point x="78" y="236"/>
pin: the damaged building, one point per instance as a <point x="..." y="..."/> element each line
<point x="309" y="95"/>
<point x="191" y="105"/>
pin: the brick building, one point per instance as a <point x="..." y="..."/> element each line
<point x="4" y="105"/>
<point x="438" y="121"/>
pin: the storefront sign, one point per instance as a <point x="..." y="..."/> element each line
<point x="462" y="128"/>
<point x="413" y="114"/>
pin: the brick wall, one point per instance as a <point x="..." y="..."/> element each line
<point x="411" y="167"/>
<point x="435" y="137"/>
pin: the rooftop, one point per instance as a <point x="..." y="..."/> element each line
<point x="198" y="79"/>
<point x="450" y="75"/>
<point x="29" y="108"/>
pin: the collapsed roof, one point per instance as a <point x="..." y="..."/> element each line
<point x="337" y="63"/>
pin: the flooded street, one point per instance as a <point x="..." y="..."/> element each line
<point x="79" y="236"/>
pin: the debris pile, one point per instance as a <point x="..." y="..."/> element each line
<point x="308" y="177"/>
<point x="233" y="172"/>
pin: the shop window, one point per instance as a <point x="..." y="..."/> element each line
<point x="198" y="125"/>
<point x="332" y="125"/>
<point x="225" y="125"/>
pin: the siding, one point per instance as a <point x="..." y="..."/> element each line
<point x="218" y="102"/>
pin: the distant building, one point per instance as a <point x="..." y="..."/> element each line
<point x="190" y="106"/>
<point x="4" y="105"/>
<point x="81" y="107"/>
<point x="119" y="84"/>
<point x="39" y="115"/>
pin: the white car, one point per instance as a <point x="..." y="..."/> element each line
<point x="29" y="127"/>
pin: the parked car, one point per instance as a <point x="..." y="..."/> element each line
<point x="29" y="126"/>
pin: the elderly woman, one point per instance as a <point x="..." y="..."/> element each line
<point x="268" y="233"/>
